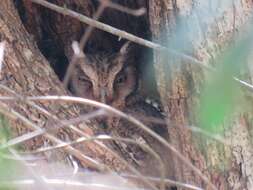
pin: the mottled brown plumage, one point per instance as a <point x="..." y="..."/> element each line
<point x="112" y="78"/>
<point x="106" y="77"/>
<point x="153" y="119"/>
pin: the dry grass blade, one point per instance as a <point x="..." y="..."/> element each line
<point x="140" y="117"/>
<point x="123" y="115"/>
<point x="60" y="176"/>
<point x="106" y="138"/>
<point x="82" y="43"/>
<point x="30" y="170"/>
<point x="217" y="137"/>
<point x="244" y="84"/>
<point x="193" y="129"/>
<point x="103" y="5"/>
<point x="123" y="9"/>
<point x="119" y="33"/>
<point x="166" y="180"/>
<point x="56" y="183"/>
<point x="24" y="158"/>
<point x="38" y="132"/>
<point x="4" y="109"/>
<point x="103" y="137"/>
<point x="2" y="47"/>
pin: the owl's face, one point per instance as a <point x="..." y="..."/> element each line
<point x="108" y="78"/>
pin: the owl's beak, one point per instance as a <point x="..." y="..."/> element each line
<point x="105" y="96"/>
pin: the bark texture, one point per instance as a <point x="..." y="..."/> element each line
<point x="28" y="73"/>
<point x="179" y="86"/>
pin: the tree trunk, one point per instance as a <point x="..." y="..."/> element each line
<point x="179" y="86"/>
<point x="28" y="73"/>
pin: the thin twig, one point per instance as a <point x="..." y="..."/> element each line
<point x="119" y="33"/>
<point x="88" y="31"/>
<point x="193" y="129"/>
<point x="123" y="115"/>
<point x="57" y="183"/>
<point x="2" y="47"/>
<point x="24" y="158"/>
<point x="82" y="44"/>
<point x="134" y="12"/>
<point x="30" y="170"/>
<point x="217" y="137"/>
<point x="39" y="132"/>
<point x="106" y="138"/>
<point x="89" y="161"/>
<point x="33" y="134"/>
<point x="244" y="84"/>
<point x="71" y="122"/>
<point x="130" y="167"/>
<point x="167" y="181"/>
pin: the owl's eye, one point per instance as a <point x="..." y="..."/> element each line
<point x="83" y="78"/>
<point x="121" y="78"/>
<point x="84" y="82"/>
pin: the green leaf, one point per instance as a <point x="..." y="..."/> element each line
<point x="221" y="93"/>
<point x="7" y="167"/>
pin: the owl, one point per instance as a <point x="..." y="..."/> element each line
<point x="112" y="78"/>
<point x="106" y="77"/>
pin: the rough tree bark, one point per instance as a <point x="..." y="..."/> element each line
<point x="27" y="72"/>
<point x="179" y="84"/>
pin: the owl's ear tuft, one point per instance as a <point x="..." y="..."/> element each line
<point x="125" y="49"/>
<point x="127" y="53"/>
<point x="76" y="49"/>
